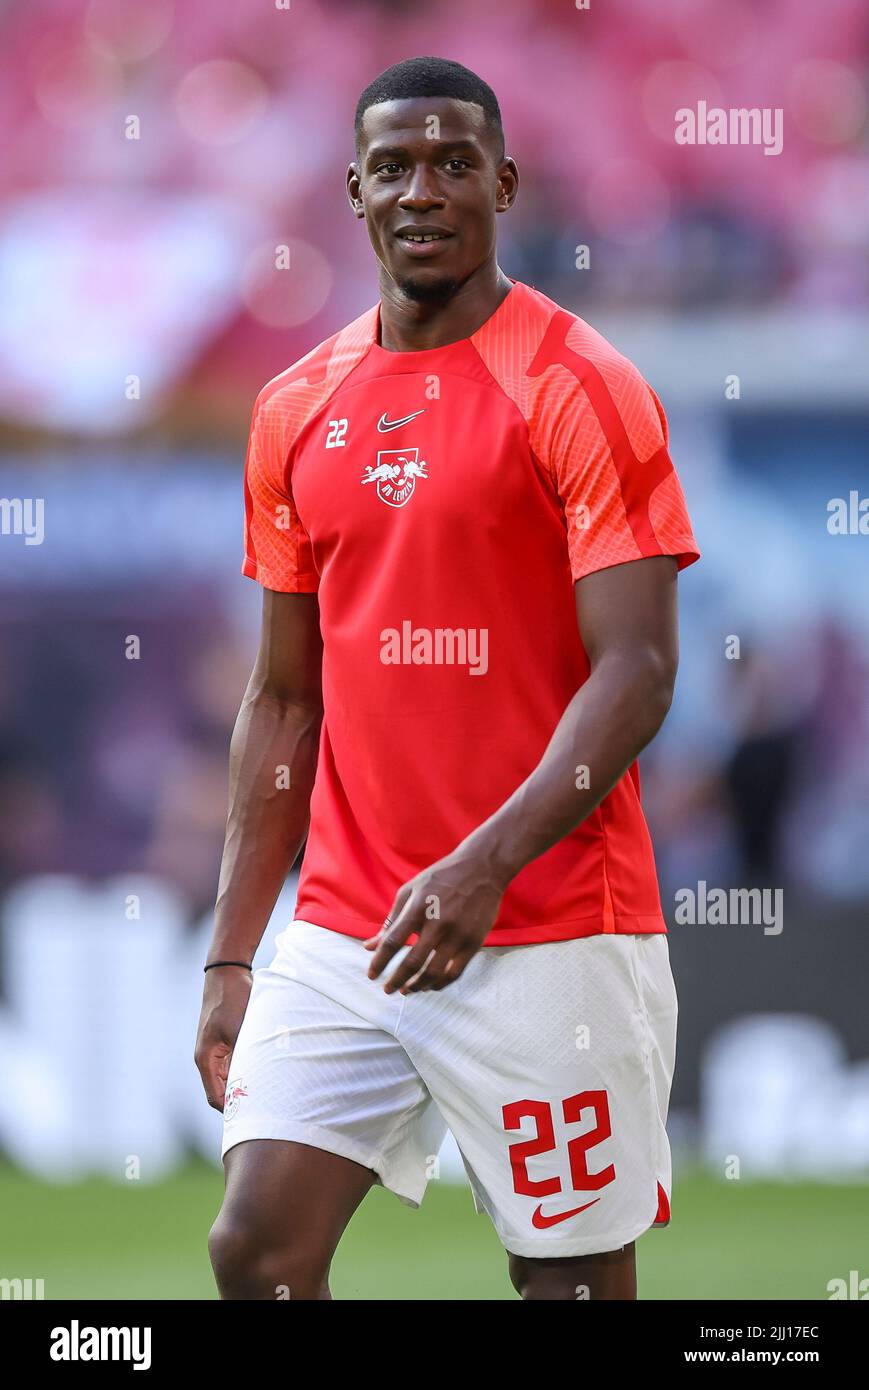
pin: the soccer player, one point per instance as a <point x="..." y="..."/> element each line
<point x="463" y="513"/>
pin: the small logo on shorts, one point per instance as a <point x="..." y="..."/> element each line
<point x="234" y="1092"/>
<point x="541" y="1222"/>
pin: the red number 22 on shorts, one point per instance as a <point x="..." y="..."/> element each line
<point x="544" y="1142"/>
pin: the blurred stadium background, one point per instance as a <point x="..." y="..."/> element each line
<point x="158" y="158"/>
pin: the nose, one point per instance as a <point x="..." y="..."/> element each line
<point x="422" y="192"/>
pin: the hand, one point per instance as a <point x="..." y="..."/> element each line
<point x="224" y="1000"/>
<point x="452" y="906"/>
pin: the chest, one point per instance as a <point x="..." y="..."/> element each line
<point x="429" y="458"/>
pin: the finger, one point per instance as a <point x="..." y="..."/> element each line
<point x="391" y="940"/>
<point x="416" y="959"/>
<point x="453" y="970"/>
<point x="216" y="1092"/>
<point x="434" y="974"/>
<point x="203" y="1066"/>
<point x="423" y="970"/>
<point x="215" y="1074"/>
<point x="392" y="916"/>
<point x="375" y="940"/>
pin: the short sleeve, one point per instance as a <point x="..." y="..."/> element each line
<point x="609" y="457"/>
<point x="277" y="549"/>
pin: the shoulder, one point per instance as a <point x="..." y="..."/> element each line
<point x="288" y="401"/>
<point x="541" y="342"/>
<point x="563" y="374"/>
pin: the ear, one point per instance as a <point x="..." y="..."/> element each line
<point x="354" y="190"/>
<point x="508" y="185"/>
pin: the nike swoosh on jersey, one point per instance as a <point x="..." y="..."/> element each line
<point x="541" y="1222"/>
<point x="384" y="425"/>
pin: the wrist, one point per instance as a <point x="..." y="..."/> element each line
<point x="493" y="852"/>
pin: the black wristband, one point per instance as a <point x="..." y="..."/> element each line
<point x="215" y="963"/>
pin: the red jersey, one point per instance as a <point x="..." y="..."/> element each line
<point x="441" y="504"/>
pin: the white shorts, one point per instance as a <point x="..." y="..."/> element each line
<point x="550" y="1063"/>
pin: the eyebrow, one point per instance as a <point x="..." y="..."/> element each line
<point x="441" y="146"/>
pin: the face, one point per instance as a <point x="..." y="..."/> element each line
<point x="429" y="183"/>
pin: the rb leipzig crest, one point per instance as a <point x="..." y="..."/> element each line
<point x="234" y="1092"/>
<point x="395" y="474"/>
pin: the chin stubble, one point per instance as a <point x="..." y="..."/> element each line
<point x="429" y="291"/>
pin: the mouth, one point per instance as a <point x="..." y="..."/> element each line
<point x="422" y="241"/>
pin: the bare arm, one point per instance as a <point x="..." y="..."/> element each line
<point x="627" y="617"/>
<point x="272" y="762"/>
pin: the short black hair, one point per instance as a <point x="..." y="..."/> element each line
<point x="432" y="77"/>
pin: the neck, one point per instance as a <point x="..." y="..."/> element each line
<point x="406" y="325"/>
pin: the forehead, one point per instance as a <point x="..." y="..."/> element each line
<point x="407" y="123"/>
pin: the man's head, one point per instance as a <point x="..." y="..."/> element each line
<point x="430" y="161"/>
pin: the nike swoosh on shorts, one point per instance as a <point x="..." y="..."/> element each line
<point x="541" y="1222"/>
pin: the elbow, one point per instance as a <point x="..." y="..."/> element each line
<point x="289" y="703"/>
<point x="304" y="713"/>
<point x="657" y="682"/>
<point x="641" y="681"/>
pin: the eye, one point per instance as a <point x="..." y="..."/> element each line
<point x="389" y="168"/>
<point x="462" y="163"/>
